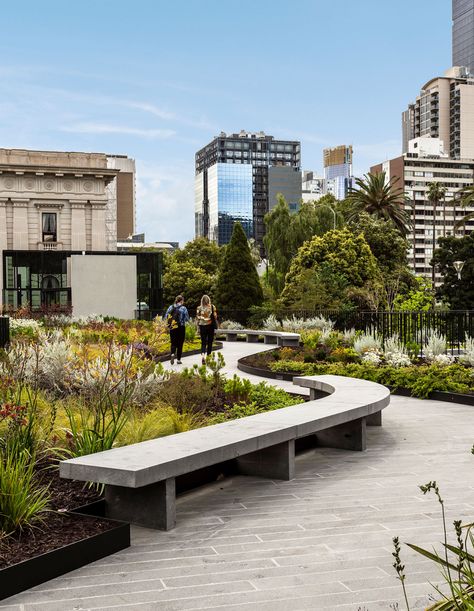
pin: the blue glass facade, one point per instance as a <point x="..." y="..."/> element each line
<point x="230" y="189"/>
<point x="463" y="33"/>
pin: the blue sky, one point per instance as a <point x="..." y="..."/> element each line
<point x="156" y="80"/>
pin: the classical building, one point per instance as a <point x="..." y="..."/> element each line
<point x="424" y="163"/>
<point x="56" y="207"/>
<point x="238" y="178"/>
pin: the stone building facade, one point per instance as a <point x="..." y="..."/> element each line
<point x="54" y="201"/>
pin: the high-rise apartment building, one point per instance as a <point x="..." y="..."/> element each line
<point x="338" y="170"/>
<point x="445" y="110"/>
<point x="424" y="163"/>
<point x="463" y="34"/>
<point x="238" y="178"/>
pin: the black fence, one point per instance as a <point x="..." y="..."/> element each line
<point x="4" y="331"/>
<point x="411" y="327"/>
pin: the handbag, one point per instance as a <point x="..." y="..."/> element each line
<point x="214" y="323"/>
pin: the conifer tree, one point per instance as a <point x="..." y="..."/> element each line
<point x="238" y="285"/>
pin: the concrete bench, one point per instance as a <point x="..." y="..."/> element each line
<point x="140" y="479"/>
<point x="282" y="338"/>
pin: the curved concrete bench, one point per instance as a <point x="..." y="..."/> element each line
<point x="282" y="338"/>
<point x="140" y="479"/>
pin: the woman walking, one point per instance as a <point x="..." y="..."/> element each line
<point x="207" y="320"/>
<point x="177" y="316"/>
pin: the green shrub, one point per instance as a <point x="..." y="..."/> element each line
<point x="190" y="332"/>
<point x="22" y="502"/>
<point x="420" y="380"/>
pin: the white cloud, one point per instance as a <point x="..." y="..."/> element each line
<point x="165" y="202"/>
<point x="105" y="128"/>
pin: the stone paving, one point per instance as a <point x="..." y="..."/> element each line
<point x="322" y="541"/>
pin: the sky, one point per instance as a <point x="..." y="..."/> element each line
<point x="158" y="79"/>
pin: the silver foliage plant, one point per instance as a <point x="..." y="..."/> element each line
<point x="435" y="346"/>
<point x="231" y="325"/>
<point x="367" y="343"/>
<point x="395" y="353"/>
<point x="468" y="357"/>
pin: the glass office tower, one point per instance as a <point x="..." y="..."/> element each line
<point x="238" y="178"/>
<point x="463" y="34"/>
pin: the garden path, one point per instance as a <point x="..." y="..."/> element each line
<point x="322" y="541"/>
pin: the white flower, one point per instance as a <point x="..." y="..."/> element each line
<point x="371" y="357"/>
<point x="397" y="359"/>
<point x="442" y="359"/>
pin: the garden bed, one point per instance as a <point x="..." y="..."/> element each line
<point x="261" y="365"/>
<point x="74" y="532"/>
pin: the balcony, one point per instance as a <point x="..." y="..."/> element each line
<point x="50" y="245"/>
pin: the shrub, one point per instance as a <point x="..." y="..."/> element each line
<point x="22" y="502"/>
<point x="158" y="422"/>
<point x="26" y="327"/>
<point x="231" y="324"/>
<point x="371" y="357"/>
<point x="343" y="355"/>
<point x="367" y="342"/>
<point x="348" y="336"/>
<point x="272" y="323"/>
<point x="468" y="357"/>
<point x="395" y="353"/>
<point x="435" y="345"/>
<point x="190" y="332"/>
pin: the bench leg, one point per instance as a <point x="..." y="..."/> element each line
<point x="347" y="436"/>
<point x="289" y="343"/>
<point x="152" y="506"/>
<point x="275" y="462"/>
<point x="270" y="339"/>
<point x="375" y="419"/>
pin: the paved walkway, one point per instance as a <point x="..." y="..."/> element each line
<point x="322" y="541"/>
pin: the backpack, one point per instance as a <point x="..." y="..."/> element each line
<point x="174" y="318"/>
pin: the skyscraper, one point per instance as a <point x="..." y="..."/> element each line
<point x="338" y="170"/>
<point x="463" y="34"/>
<point x="238" y="177"/>
<point x="445" y="110"/>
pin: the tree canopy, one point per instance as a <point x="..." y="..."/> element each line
<point x="381" y="198"/>
<point x="457" y="292"/>
<point x="238" y="285"/>
<point x="187" y="279"/>
<point x="191" y="271"/>
<point x="340" y="253"/>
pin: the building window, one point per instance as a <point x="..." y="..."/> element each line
<point x="49" y="227"/>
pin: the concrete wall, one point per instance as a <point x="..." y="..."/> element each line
<point x="103" y="284"/>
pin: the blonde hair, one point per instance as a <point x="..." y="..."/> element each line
<point x="205" y="301"/>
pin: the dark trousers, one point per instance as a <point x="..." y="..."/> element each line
<point x="177" y="341"/>
<point x="207" y="337"/>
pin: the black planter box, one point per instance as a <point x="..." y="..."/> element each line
<point x="24" y="575"/>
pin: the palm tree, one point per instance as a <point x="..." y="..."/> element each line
<point x="436" y="192"/>
<point x="379" y="197"/>
<point x="466" y="199"/>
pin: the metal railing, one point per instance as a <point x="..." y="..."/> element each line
<point x="411" y="326"/>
